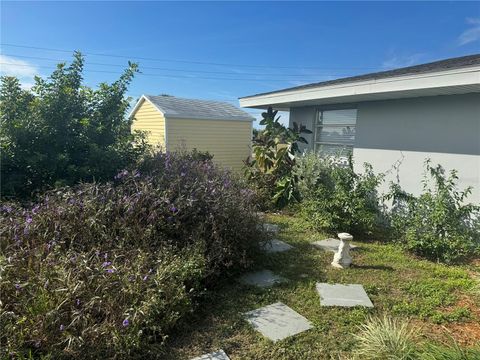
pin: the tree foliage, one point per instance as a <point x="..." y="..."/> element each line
<point x="62" y="132"/>
<point x="274" y="151"/>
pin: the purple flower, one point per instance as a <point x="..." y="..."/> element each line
<point x="121" y="174"/>
<point x="18" y="286"/>
<point x="77" y="302"/>
<point x="173" y="209"/>
<point x="106" y="263"/>
<point x="29" y="219"/>
<point x="125" y="323"/>
<point x="62" y="327"/>
<point x="7" y="208"/>
<point x="110" y="271"/>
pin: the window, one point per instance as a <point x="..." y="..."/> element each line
<point x="335" y="131"/>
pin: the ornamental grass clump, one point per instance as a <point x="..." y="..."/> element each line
<point x="386" y="338"/>
<point x="107" y="270"/>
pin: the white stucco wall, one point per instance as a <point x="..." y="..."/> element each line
<point x="445" y="129"/>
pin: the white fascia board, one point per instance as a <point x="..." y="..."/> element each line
<point x="139" y="103"/>
<point x="449" y="78"/>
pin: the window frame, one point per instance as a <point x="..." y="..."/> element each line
<point x="319" y="125"/>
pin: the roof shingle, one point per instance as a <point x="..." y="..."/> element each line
<point x="176" y="107"/>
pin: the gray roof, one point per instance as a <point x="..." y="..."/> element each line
<point x="447" y="64"/>
<point x="175" y="107"/>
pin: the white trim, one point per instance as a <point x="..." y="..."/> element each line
<point x="140" y="102"/>
<point x="166" y="134"/>
<point x="463" y="77"/>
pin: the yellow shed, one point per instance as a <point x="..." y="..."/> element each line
<point x="174" y="123"/>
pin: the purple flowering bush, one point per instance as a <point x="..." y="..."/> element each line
<point x="107" y="270"/>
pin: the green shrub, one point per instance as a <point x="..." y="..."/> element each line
<point x="62" y="132"/>
<point x="107" y="270"/>
<point x="335" y="198"/>
<point x="275" y="149"/>
<point x="386" y="339"/>
<point x="438" y="225"/>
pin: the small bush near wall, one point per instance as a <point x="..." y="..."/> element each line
<point x="335" y="198"/>
<point x="106" y="270"/>
<point x="439" y="224"/>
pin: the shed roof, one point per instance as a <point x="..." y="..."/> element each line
<point x="442" y="65"/>
<point x="182" y="108"/>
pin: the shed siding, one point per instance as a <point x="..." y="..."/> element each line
<point x="228" y="141"/>
<point x="148" y="118"/>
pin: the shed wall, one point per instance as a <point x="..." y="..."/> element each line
<point x="148" y="118"/>
<point x="228" y="141"/>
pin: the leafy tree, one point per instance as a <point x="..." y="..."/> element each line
<point x="274" y="151"/>
<point x="62" y="132"/>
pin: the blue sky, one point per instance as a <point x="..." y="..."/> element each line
<point x="225" y="50"/>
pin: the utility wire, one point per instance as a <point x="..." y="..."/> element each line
<point x="184" y="61"/>
<point x="165" y="75"/>
<point x="165" y="69"/>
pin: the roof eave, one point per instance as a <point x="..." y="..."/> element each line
<point x="462" y="78"/>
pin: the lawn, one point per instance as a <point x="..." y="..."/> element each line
<point x="442" y="300"/>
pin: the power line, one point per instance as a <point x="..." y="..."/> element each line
<point x="183" y="61"/>
<point x="164" y="75"/>
<point x="165" y="69"/>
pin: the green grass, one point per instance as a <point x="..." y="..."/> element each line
<point x="398" y="284"/>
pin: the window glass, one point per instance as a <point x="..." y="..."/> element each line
<point x="335" y="132"/>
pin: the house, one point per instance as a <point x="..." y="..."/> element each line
<point x="398" y="117"/>
<point x="174" y="123"/>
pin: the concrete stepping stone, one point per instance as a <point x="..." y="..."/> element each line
<point x="275" y="245"/>
<point x="343" y="295"/>
<point x="330" y="245"/>
<point x="277" y="321"/>
<point x="271" y="227"/>
<point x="217" y="355"/>
<point x="263" y="278"/>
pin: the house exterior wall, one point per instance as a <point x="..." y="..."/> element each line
<point x="228" y="141"/>
<point x="148" y="118"/>
<point x="405" y="132"/>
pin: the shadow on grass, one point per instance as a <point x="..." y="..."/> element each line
<point x="373" y="267"/>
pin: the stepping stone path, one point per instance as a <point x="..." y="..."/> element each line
<point x="217" y="355"/>
<point x="263" y="279"/>
<point x="330" y="245"/>
<point x="343" y="295"/>
<point x="277" y="321"/>
<point x="275" y="245"/>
